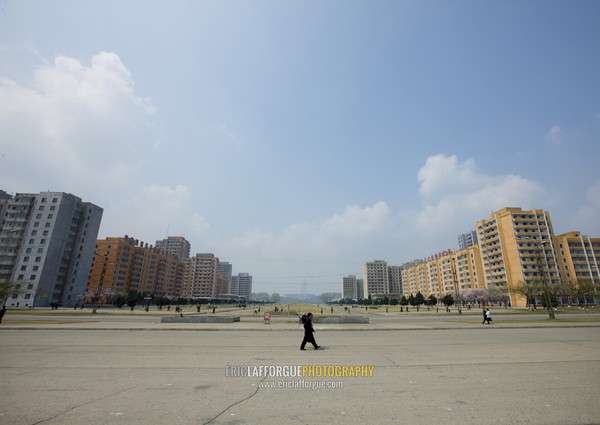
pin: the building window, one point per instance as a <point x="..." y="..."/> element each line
<point x="54" y="200"/>
<point x="23" y="268"/>
<point x="39" y="216"/>
<point x="40" y="250"/>
<point x="32" y="277"/>
<point x="52" y="207"/>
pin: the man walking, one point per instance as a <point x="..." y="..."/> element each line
<point x="308" y="332"/>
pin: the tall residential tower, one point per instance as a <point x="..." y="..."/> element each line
<point x="47" y="243"/>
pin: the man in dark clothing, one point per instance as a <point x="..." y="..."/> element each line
<point x="308" y="333"/>
<point x="2" y="312"/>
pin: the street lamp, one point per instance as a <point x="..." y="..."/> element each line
<point x="98" y="293"/>
<point x="456" y="285"/>
<point x="544" y="283"/>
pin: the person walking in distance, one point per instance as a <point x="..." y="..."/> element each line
<point x="308" y="332"/>
<point x="488" y="316"/>
<point x="483" y="321"/>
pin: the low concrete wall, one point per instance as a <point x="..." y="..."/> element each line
<point x="200" y="319"/>
<point x="340" y="320"/>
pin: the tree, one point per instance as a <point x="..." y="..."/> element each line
<point x="160" y="301"/>
<point x="120" y="299"/>
<point x="580" y="289"/>
<point x="529" y="291"/>
<point x="448" y="300"/>
<point x="8" y="287"/>
<point x="275" y="298"/>
<point x="403" y="300"/>
<point x="419" y="299"/>
<point x="474" y="295"/>
<point x="132" y="298"/>
<point x="432" y="300"/>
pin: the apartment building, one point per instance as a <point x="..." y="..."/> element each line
<point x="395" y="280"/>
<point x="515" y="245"/>
<point x="201" y="276"/>
<point x="47" y="243"/>
<point x="376" y="279"/>
<point x="579" y="258"/>
<point x="350" y="287"/>
<point x="466" y="240"/>
<point x="175" y="246"/>
<point x="243" y="283"/>
<point x="124" y="264"/>
<point x="225" y="271"/>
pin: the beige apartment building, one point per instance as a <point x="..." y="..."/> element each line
<point x="202" y="278"/>
<point x="514" y="247"/>
<point x="517" y="247"/>
<point x="579" y="258"/>
<point x="447" y="273"/>
<point x="124" y="264"/>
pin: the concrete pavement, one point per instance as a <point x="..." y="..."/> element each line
<point x="139" y="371"/>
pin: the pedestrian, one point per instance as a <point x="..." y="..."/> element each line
<point x="488" y="316"/>
<point x="483" y="322"/>
<point x="308" y="332"/>
<point x="2" y="312"/>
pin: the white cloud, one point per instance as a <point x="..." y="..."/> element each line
<point x="587" y="218"/>
<point x="554" y="136"/>
<point x="155" y="209"/>
<point x="455" y="195"/>
<point x="74" y="126"/>
<point x="320" y="251"/>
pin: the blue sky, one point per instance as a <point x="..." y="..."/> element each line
<point x="298" y="139"/>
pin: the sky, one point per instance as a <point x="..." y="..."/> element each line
<point x="299" y="139"/>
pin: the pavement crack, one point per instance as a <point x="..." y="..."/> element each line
<point x="81" y="405"/>
<point x="390" y="360"/>
<point x="236" y="403"/>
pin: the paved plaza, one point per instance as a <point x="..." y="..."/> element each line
<point x="139" y="371"/>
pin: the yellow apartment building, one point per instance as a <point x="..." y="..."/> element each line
<point x="448" y="273"/>
<point x="579" y="258"/>
<point x="123" y="264"/>
<point x="517" y="247"/>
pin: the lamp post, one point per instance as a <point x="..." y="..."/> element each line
<point x="455" y="282"/>
<point x="98" y="293"/>
<point x="549" y="308"/>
